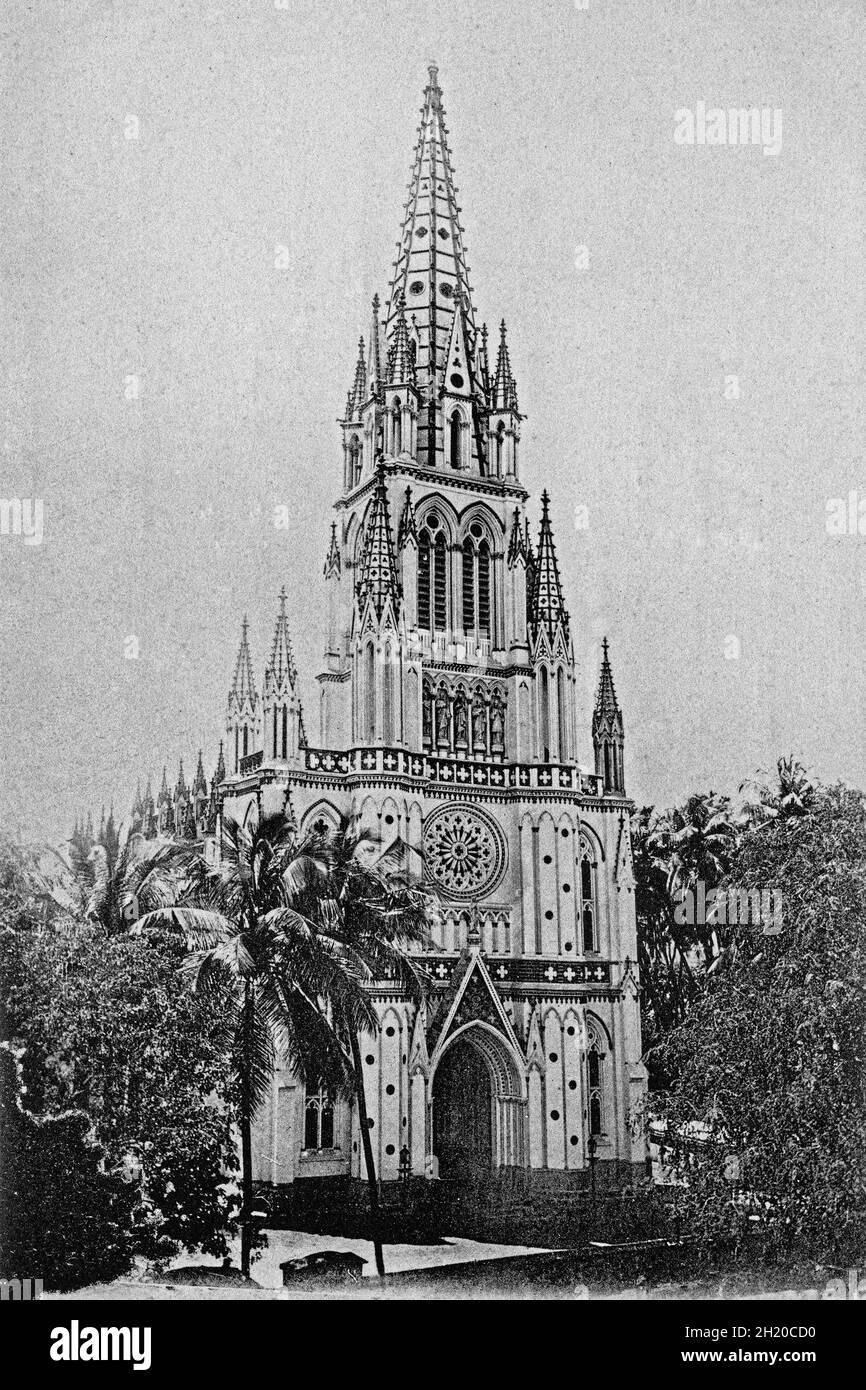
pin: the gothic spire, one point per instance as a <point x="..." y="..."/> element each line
<point x="243" y="685"/>
<point x="407" y="530"/>
<point x="333" y="563"/>
<point x="430" y="272"/>
<point x="281" y="666"/>
<point x="504" y="386"/>
<point x="608" y="731"/>
<point x="358" y="393"/>
<point x="401" y="354"/>
<point x="180" y="789"/>
<point x="548" y="608"/>
<point x="199" y="785"/>
<point x="516" y="546"/>
<point x="378" y="581"/>
<point x="606" y="704"/>
<point x="220" y="774"/>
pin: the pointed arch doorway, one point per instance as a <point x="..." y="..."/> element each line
<point x="463" y="1113"/>
<point x="479" y="1105"/>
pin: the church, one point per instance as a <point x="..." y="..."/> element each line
<point x="448" y="717"/>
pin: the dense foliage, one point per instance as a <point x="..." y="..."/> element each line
<point x="108" y="1027"/>
<point x="62" y="1218"/>
<point x="768" y="1062"/>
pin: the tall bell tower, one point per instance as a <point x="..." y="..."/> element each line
<point x="448" y="718"/>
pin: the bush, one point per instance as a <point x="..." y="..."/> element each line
<point x="62" y="1218"/>
<point x="108" y="1028"/>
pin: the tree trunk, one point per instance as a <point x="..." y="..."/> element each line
<point x="372" y="1186"/>
<point x="246" y="1151"/>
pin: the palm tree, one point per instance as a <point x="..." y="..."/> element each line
<point x="792" y="794"/>
<point x="663" y="945"/>
<point x="129" y="879"/>
<point x="371" y="903"/>
<point x="696" y="842"/>
<point x="290" y="932"/>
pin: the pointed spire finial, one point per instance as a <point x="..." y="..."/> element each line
<point x="547" y="608"/>
<point x="431" y="257"/>
<point x="358" y="393"/>
<point x="281" y="666"/>
<point x="504" y="386"/>
<point x="606" y="702"/>
<point x="608" y="730"/>
<point x="243" y="686"/>
<point x="220" y="774"/>
<point x="407" y="530"/>
<point x="516" y="544"/>
<point x="333" y="563"/>
<point x="378" y="568"/>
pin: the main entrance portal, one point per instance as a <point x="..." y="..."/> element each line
<point x="463" y="1113"/>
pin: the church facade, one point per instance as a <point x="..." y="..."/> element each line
<point x="448" y="718"/>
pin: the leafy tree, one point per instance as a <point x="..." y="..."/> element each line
<point x="769" y="1060"/>
<point x="62" y="1218"/>
<point x="109" y="1029"/>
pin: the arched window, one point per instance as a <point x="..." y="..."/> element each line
<point x="396" y="428"/>
<point x="500" y="449"/>
<point x="440" y="592"/>
<point x="484" y="589"/>
<point x="588" y="896"/>
<point x="595" y="1087"/>
<point x="237" y="754"/>
<point x="544" y="714"/>
<point x="432" y="576"/>
<point x="455" y="449"/>
<point x="424" y="580"/>
<point x="285" y="732"/>
<point x="246" y="740"/>
<point x="369" y="693"/>
<point x="563" y="718"/>
<point x="275" y="731"/>
<point x="354" y="461"/>
<point x="476" y="582"/>
<point x="468" y="586"/>
<point x="318" y="1119"/>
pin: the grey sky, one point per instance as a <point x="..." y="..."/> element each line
<point x="262" y="127"/>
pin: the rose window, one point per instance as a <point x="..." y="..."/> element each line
<point x="464" y="851"/>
